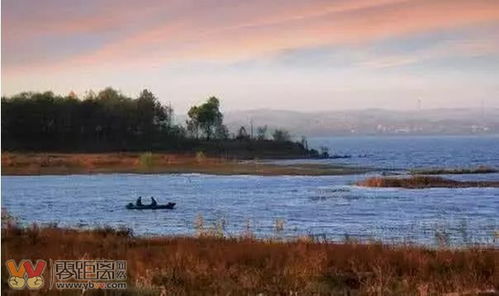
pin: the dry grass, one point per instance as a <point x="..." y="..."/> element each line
<point x="219" y="266"/>
<point x="453" y="171"/>
<point x="84" y="163"/>
<point x="419" y="182"/>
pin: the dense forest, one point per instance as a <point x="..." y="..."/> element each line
<point x="110" y="121"/>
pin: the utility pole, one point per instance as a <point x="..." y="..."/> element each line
<point x="251" y="127"/>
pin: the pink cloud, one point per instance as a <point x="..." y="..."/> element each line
<point x="231" y="31"/>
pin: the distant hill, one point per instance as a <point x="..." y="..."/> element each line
<point x="369" y="121"/>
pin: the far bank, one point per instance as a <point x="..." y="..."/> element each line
<point x="27" y="163"/>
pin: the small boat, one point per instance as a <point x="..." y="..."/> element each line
<point x="168" y="206"/>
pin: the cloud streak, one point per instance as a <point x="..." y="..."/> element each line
<point x="172" y="31"/>
<point x="281" y="48"/>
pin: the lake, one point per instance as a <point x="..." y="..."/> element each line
<point x="325" y="206"/>
<point x="398" y="152"/>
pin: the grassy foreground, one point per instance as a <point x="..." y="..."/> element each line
<point x="82" y="163"/>
<point x="208" y="265"/>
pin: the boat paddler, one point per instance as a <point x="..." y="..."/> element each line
<point x="139" y="201"/>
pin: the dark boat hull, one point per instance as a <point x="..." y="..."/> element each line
<point x="168" y="206"/>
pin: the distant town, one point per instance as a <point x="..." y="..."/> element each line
<point x="372" y="121"/>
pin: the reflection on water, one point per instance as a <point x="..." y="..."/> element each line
<point x="327" y="205"/>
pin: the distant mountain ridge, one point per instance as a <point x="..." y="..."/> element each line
<point x="368" y="121"/>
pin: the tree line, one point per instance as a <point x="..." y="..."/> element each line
<point x="110" y="121"/>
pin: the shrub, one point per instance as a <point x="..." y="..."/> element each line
<point x="146" y="160"/>
<point x="200" y="156"/>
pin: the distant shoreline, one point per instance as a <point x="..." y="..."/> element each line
<point x="32" y="164"/>
<point x="411" y="135"/>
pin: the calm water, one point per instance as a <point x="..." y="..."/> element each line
<point x="414" y="152"/>
<point x="327" y="205"/>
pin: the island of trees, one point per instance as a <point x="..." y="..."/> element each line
<point x="109" y="121"/>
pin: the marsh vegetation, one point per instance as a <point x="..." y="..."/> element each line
<point x="213" y="264"/>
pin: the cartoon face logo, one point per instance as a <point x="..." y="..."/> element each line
<point x="26" y="274"/>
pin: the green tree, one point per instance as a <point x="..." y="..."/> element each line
<point x="242" y="134"/>
<point x="261" y="132"/>
<point x="193" y="122"/>
<point x="151" y="116"/>
<point x="281" y="135"/>
<point x="206" y="118"/>
<point x="221" y="132"/>
<point x="107" y="120"/>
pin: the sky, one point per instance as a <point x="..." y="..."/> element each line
<point x="307" y="55"/>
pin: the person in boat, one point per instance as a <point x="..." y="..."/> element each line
<point x="153" y="202"/>
<point x="139" y="201"/>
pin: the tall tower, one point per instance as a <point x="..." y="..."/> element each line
<point x="251" y="132"/>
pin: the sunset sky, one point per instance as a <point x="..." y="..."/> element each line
<point x="281" y="54"/>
